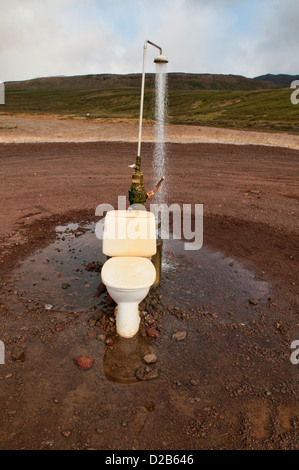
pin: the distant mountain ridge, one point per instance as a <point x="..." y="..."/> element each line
<point x="176" y="81"/>
<point x="281" y="80"/>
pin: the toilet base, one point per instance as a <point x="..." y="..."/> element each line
<point x="127" y="319"/>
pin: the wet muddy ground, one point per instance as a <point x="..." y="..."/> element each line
<point x="218" y="329"/>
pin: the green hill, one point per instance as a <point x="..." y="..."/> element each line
<point x="176" y="81"/>
<point x="202" y="99"/>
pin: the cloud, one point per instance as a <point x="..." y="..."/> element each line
<point x="68" y="37"/>
<point x="38" y="39"/>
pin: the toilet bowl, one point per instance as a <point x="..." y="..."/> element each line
<point x="128" y="280"/>
<point x="129" y="239"/>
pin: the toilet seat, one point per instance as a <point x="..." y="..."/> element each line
<point x="128" y="273"/>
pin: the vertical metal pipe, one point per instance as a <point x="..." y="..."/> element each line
<point x="142" y="99"/>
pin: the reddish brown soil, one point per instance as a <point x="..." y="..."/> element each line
<point x="250" y="399"/>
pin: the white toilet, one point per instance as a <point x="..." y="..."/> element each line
<point x="129" y="239"/>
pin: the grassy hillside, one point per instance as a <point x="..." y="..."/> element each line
<point x="269" y="110"/>
<point x="176" y="81"/>
<point x="281" y="80"/>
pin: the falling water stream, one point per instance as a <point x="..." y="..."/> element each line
<point x="159" y="161"/>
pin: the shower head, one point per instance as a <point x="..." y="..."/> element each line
<point x="161" y="59"/>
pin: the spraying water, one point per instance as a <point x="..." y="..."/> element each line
<point x="159" y="161"/>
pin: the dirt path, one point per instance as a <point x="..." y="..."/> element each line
<point x="238" y="390"/>
<point x="21" y="129"/>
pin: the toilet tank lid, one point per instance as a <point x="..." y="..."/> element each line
<point x="130" y="214"/>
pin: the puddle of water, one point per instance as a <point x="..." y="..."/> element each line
<point x="121" y="361"/>
<point x="201" y="279"/>
<point x="206" y="285"/>
<point x="56" y="276"/>
<point x="209" y="281"/>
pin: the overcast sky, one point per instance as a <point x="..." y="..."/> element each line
<point x="75" y="37"/>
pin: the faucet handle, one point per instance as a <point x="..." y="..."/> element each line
<point x="153" y="191"/>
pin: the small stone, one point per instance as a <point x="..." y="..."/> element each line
<point x="98" y="314"/>
<point x="179" y="336"/>
<point x="255" y="191"/>
<point x="100" y="290"/>
<point x="90" y="266"/>
<point x="48" y="307"/>
<point x="84" y="362"/>
<point x="253" y="301"/>
<point x="109" y="300"/>
<point x="194" y="382"/>
<point x="153" y="333"/>
<point x="18" y="355"/>
<point x="149" y="319"/>
<point x="109" y="341"/>
<point x="146" y="373"/>
<point x="150" y="358"/>
<point x="66" y="433"/>
<point x="101" y="337"/>
<point x="65" y="285"/>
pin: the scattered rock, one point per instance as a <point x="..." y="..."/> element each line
<point x="149" y="319"/>
<point x="18" y="355"/>
<point x="146" y="373"/>
<point x="253" y="301"/>
<point x="150" y="358"/>
<point x="179" y="336"/>
<point x="153" y="333"/>
<point x="84" y="362"/>
<point x="65" y="285"/>
<point x="214" y="315"/>
<point x="48" y="307"/>
<point x="194" y="382"/>
<point x="66" y="433"/>
<point x="101" y="337"/>
<point x="98" y="315"/>
<point x="109" y="300"/>
<point x="92" y="266"/>
<point x="255" y="191"/>
<point x="100" y="290"/>
<point x="109" y="341"/>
